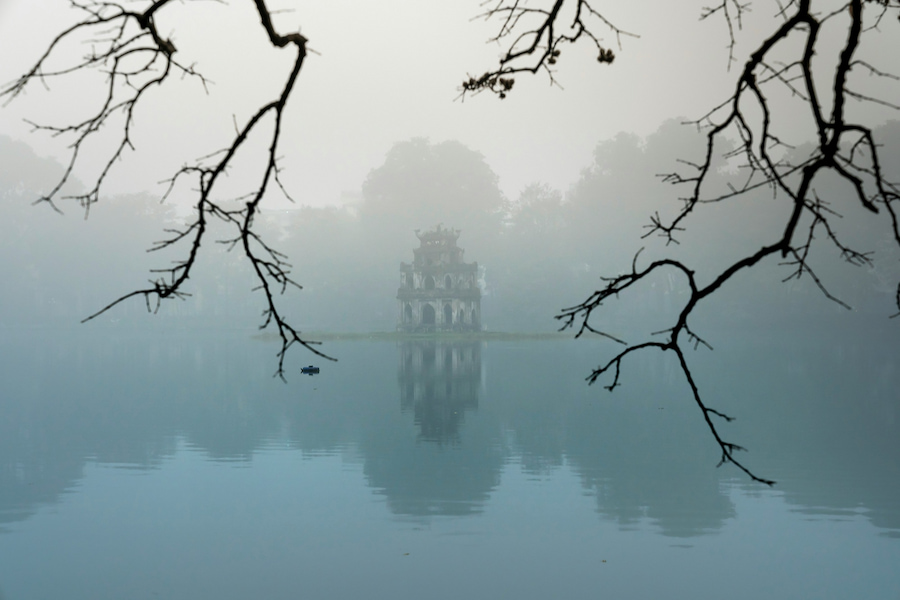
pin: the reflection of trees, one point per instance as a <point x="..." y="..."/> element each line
<point x="833" y="447"/>
<point x="439" y="381"/>
<point x="637" y="452"/>
<point x="56" y="417"/>
<point x="427" y="479"/>
<point x="679" y="493"/>
<point x="123" y="400"/>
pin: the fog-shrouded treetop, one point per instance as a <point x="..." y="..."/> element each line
<point x="422" y="184"/>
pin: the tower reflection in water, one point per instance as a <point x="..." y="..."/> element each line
<point x="439" y="382"/>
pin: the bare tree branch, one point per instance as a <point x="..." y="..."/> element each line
<point x="844" y="149"/>
<point x="533" y="39"/>
<point x="129" y="49"/>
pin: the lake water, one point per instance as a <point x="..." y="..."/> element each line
<point x="171" y="465"/>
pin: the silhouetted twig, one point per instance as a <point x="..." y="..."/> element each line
<point x="534" y="36"/>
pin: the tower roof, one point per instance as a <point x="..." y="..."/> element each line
<point x="438" y="236"/>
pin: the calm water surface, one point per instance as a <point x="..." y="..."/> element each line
<point x="166" y="465"/>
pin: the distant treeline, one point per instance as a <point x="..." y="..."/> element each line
<point x="539" y="253"/>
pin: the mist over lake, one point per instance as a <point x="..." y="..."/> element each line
<point x="168" y="463"/>
<point x="335" y="300"/>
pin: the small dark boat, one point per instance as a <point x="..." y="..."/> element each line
<point x="310" y="370"/>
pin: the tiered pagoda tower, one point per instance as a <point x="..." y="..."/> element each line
<point x="438" y="291"/>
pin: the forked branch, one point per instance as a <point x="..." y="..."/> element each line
<point x="844" y="149"/>
<point x="533" y="36"/>
<point x="135" y="57"/>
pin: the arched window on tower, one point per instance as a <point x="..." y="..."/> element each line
<point x="448" y="314"/>
<point x="427" y="315"/>
<point x="429" y="283"/>
<point x="448" y="283"/>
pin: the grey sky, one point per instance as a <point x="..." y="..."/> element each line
<point x="385" y="72"/>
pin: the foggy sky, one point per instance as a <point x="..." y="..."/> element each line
<point x="382" y="73"/>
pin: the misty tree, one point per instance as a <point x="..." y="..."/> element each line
<point x="540" y="262"/>
<point x="539" y="211"/>
<point x="797" y="72"/>
<point x="425" y="183"/>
